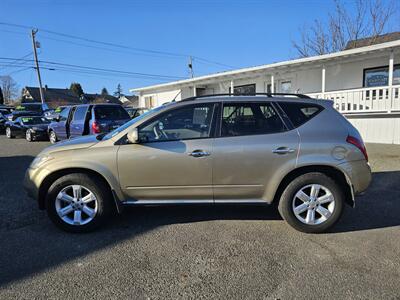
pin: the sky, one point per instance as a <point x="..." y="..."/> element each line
<point x="148" y="37"/>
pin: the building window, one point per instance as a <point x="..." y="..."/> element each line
<point x="149" y="101"/>
<point x="248" y="89"/>
<point x="286" y="86"/>
<point x="380" y="76"/>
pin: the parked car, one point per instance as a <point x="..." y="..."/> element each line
<point x="3" y="119"/>
<point x="53" y="114"/>
<point x="135" y="111"/>
<point x="32" y="128"/>
<point x="27" y="109"/>
<point x="79" y="120"/>
<point x="298" y="152"/>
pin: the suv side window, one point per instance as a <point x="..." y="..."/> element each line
<point x="300" y="113"/>
<point x="80" y="113"/>
<point x="249" y="119"/>
<point x="64" y="114"/>
<point x="188" y="122"/>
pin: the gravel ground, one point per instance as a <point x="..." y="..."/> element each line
<point x="203" y="251"/>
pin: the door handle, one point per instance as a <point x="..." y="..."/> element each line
<point x="199" y="153"/>
<point x="283" y="150"/>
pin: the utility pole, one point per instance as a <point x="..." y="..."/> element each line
<point x="190" y="65"/>
<point x="34" y="31"/>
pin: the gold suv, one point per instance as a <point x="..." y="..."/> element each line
<point x="296" y="151"/>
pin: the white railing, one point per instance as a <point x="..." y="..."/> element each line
<point x="377" y="99"/>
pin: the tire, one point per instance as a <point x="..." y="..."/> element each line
<point x="100" y="208"/>
<point x="326" y="205"/>
<point x="9" y="134"/>
<point x="53" y="137"/>
<point x="29" y="136"/>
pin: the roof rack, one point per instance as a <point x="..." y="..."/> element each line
<point x="271" y="95"/>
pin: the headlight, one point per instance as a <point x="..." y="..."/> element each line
<point x="40" y="160"/>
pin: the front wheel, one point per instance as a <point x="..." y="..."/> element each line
<point x="9" y="134"/>
<point x="29" y="135"/>
<point x="312" y="203"/>
<point x="52" y="137"/>
<point x="78" y="203"/>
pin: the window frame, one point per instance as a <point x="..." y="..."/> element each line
<point x="241" y="86"/>
<point x="161" y="114"/>
<point x="286" y="117"/>
<point x="84" y="115"/>
<point x="287" y="126"/>
<point x="376" y="68"/>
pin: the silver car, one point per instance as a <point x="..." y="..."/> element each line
<point x="291" y="150"/>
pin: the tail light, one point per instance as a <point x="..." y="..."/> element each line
<point x="96" y="127"/>
<point x="359" y="144"/>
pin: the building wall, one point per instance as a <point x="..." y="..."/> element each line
<point x="378" y="130"/>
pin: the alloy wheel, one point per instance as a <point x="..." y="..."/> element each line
<point x="53" y="137"/>
<point x="8" y="132"/>
<point x="28" y="135"/>
<point x="313" y="204"/>
<point x="76" y="205"/>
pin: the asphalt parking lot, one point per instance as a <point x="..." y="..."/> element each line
<point x="200" y="252"/>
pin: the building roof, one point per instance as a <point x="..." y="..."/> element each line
<point x="264" y="69"/>
<point x="384" y="38"/>
<point x="53" y="95"/>
<point x="103" y="98"/>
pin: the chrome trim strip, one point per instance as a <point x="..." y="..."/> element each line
<point x="201" y="201"/>
<point x="192" y="186"/>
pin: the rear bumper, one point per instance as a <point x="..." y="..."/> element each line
<point x="358" y="173"/>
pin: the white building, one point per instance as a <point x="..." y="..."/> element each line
<point x="364" y="83"/>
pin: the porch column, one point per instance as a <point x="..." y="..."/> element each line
<point x="390" y="80"/>
<point x="194" y="91"/>
<point x="232" y="87"/>
<point x="323" y="83"/>
<point x="272" y="84"/>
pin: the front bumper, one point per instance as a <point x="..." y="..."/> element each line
<point x="32" y="182"/>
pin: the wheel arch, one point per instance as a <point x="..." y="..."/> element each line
<point x="52" y="177"/>
<point x="335" y="173"/>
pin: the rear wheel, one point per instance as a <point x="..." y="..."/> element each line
<point x="53" y="137"/>
<point x="78" y="203"/>
<point x="312" y="203"/>
<point x="29" y="135"/>
<point x="9" y="133"/>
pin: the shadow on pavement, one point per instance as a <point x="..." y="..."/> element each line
<point x="30" y="244"/>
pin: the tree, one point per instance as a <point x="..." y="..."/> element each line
<point x="369" y="19"/>
<point x="118" y="91"/>
<point x="9" y="88"/>
<point x="1" y="96"/>
<point x="104" y="92"/>
<point x="76" y="88"/>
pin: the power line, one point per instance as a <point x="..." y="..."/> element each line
<point x="121" y="46"/>
<point x="19" y="59"/>
<point x="97" y="69"/>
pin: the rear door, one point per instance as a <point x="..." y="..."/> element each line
<point x="253" y="147"/>
<point x="110" y="117"/>
<point x="77" y="125"/>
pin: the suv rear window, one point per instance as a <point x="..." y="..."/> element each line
<point x="112" y="112"/>
<point x="300" y="113"/>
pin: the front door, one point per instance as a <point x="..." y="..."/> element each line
<point x="60" y="126"/>
<point x="253" y="146"/>
<point x="173" y="161"/>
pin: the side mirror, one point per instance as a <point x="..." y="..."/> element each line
<point x="133" y="136"/>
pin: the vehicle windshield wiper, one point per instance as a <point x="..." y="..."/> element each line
<point x="100" y="136"/>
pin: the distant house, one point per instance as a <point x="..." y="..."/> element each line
<point x="97" y="98"/>
<point x="129" y="100"/>
<point x="52" y="96"/>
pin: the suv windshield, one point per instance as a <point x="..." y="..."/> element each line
<point x="29" y="107"/>
<point x="111" y="112"/>
<point x="34" y="120"/>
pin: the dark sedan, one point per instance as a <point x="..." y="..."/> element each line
<point x="32" y="128"/>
